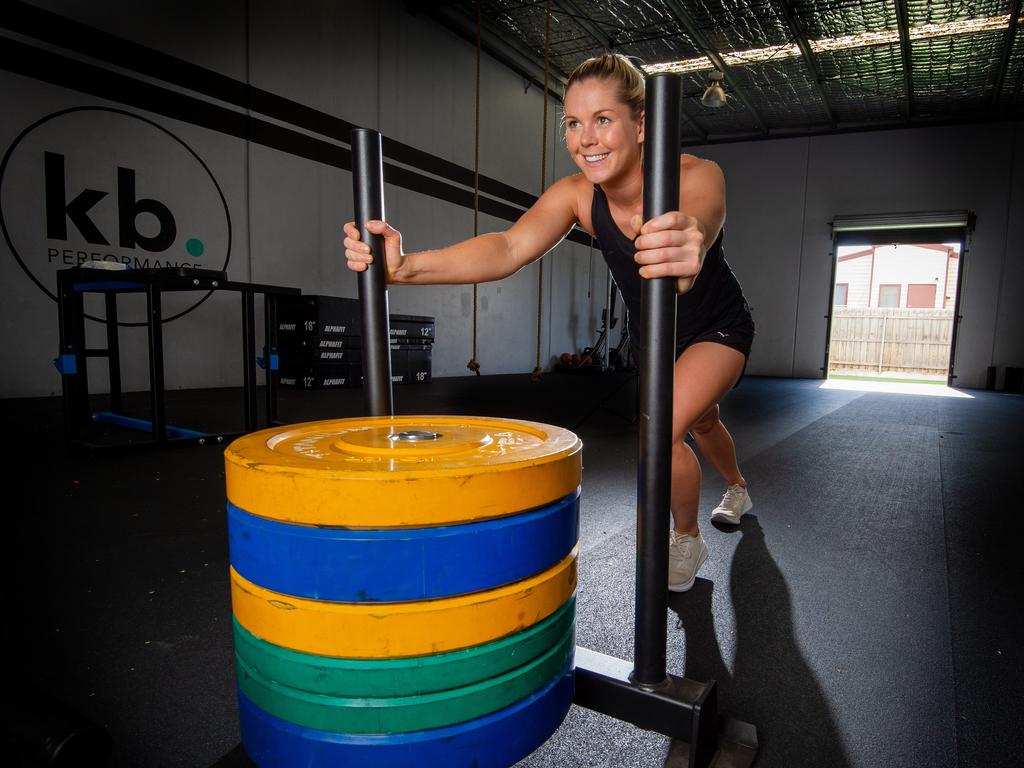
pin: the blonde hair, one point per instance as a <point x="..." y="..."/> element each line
<point x="629" y="81"/>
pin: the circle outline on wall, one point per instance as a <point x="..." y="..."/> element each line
<point x="126" y="113"/>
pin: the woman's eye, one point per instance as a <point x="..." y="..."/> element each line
<point x="603" y="120"/>
<point x="573" y="123"/>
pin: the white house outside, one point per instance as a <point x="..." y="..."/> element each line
<point x="893" y="311"/>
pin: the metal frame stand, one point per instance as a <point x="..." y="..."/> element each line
<point x="72" y="360"/>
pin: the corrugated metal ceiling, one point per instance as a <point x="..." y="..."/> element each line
<point x="791" y="67"/>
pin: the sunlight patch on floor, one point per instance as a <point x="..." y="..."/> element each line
<point x="894" y="388"/>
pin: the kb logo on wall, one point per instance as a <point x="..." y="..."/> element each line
<point x="93" y="184"/>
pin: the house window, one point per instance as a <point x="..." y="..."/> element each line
<point x="842" y="294"/>
<point x="888" y="295"/>
<point x="921" y="295"/>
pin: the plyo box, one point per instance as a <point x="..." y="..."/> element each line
<point x="317" y="316"/>
<point x="331" y="316"/>
<point x="302" y="351"/>
<point x="411" y="329"/>
<point x="408" y="367"/>
<point x="410" y="364"/>
<point x="320" y="346"/>
<point x="323" y="376"/>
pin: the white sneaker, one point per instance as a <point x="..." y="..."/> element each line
<point x="735" y="504"/>
<point x="686" y="554"/>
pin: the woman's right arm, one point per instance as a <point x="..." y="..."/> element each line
<point x="486" y="257"/>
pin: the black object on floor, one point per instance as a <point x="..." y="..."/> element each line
<point x="46" y="732"/>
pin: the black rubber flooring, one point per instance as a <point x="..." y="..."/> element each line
<point x="868" y="613"/>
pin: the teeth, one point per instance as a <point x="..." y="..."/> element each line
<point x="595" y="158"/>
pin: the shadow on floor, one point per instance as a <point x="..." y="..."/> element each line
<point x="771" y="685"/>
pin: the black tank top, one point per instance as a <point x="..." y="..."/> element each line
<point x="715" y="302"/>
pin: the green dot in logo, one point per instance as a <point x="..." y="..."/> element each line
<point x="195" y="247"/>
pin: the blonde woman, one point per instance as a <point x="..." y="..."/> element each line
<point x="604" y="130"/>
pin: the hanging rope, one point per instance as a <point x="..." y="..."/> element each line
<point x="535" y="376"/>
<point x="474" y="364"/>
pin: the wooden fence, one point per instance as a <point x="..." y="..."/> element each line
<point x="880" y="340"/>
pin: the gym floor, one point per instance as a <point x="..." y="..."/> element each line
<point x="867" y="613"/>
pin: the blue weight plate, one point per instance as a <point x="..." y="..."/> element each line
<point x="397" y="565"/>
<point x="497" y="740"/>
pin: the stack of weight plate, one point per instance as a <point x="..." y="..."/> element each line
<point x="403" y="589"/>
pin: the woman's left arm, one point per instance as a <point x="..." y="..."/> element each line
<point x="674" y="244"/>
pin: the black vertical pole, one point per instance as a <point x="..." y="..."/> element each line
<point x="154" y="324"/>
<point x="113" y="352"/>
<point x="67" y="308"/>
<point x="658" y="317"/>
<point x="270" y="334"/>
<point x="368" y="194"/>
<point x="249" y="358"/>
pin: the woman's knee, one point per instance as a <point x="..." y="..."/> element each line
<point x="683" y="458"/>
<point x="707" y="421"/>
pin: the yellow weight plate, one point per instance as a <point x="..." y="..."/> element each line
<point x="398" y="630"/>
<point x="401" y="472"/>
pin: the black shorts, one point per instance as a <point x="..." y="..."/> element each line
<point x="733" y="329"/>
<point x="736" y="332"/>
<point x="741" y="339"/>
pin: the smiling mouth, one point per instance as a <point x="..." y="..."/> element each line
<point x="595" y="158"/>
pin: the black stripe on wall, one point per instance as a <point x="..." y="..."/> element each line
<point x="21" y="58"/>
<point x="74" y="36"/>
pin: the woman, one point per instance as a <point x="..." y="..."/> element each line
<point x="604" y="125"/>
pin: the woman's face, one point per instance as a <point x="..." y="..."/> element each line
<point x="600" y="131"/>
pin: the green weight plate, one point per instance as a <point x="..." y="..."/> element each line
<point x="357" y="678"/>
<point x="404" y="714"/>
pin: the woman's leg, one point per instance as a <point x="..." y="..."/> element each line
<point x="704" y="374"/>
<point x="716" y="446"/>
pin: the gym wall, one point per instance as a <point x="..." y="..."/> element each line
<point x="783" y="193"/>
<point x="266" y="191"/>
<point x="275" y="184"/>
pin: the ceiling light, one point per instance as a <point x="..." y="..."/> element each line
<point x="862" y="40"/>
<point x="680" y="67"/>
<point x="845" y="42"/>
<point x="714" y="96"/>
<point x="964" y="27"/>
<point x="924" y="32"/>
<point x="757" y="55"/>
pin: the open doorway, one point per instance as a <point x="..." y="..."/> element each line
<point x="894" y="306"/>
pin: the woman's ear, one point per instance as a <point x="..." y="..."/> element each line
<point x="640" y="128"/>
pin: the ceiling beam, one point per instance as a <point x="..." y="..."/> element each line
<point x="1011" y="33"/>
<point x="679" y="13"/>
<point x="796" y="29"/>
<point x="908" y="75"/>
<point x="864" y="126"/>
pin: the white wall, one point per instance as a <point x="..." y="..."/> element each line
<point x="765" y="191"/>
<point x="783" y="193"/>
